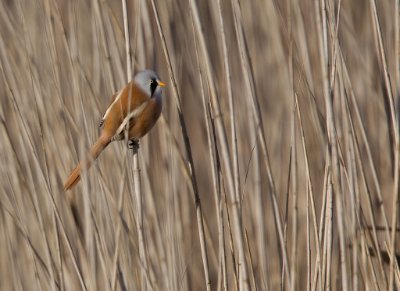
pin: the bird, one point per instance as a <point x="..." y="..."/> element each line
<point x="133" y="111"/>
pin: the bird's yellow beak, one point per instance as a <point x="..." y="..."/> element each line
<point x="161" y="84"/>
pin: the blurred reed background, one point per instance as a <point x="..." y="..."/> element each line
<point x="275" y="164"/>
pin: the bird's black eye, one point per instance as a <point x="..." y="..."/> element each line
<point x="153" y="86"/>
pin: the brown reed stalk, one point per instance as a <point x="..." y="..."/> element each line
<point x="187" y="148"/>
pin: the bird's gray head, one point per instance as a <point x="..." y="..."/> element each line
<point x="150" y="83"/>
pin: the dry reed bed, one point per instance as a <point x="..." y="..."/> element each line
<point x="275" y="164"/>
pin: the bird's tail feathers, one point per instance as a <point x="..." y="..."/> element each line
<point x="94" y="152"/>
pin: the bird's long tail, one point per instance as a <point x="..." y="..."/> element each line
<point x="94" y="152"/>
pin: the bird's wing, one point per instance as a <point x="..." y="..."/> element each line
<point x="114" y="96"/>
<point x="127" y="105"/>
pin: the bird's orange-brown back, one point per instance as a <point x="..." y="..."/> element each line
<point x="128" y="100"/>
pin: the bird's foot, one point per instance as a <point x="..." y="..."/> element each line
<point x="133" y="145"/>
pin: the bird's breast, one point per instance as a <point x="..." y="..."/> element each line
<point x="146" y="120"/>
